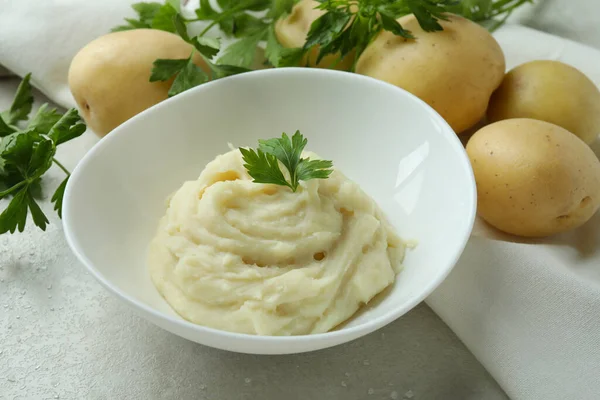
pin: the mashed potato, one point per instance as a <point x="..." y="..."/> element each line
<point x="259" y="259"/>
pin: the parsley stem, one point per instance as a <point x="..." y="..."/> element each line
<point x="12" y="189"/>
<point x="66" y="171"/>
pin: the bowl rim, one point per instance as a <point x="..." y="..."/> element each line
<point x="353" y="331"/>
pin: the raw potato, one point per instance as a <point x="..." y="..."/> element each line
<point x="454" y="71"/>
<point x="550" y="91"/>
<point x="291" y="32"/>
<point x="534" y="178"/>
<point x="109" y="76"/>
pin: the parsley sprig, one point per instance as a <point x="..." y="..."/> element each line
<point x="345" y="29"/>
<point x="27" y="151"/>
<point x="492" y="14"/>
<point x="262" y="164"/>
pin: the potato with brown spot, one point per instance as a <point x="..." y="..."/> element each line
<point x="455" y="71"/>
<point x="109" y="77"/>
<point x="292" y="30"/>
<point x="533" y="178"/>
<point x="550" y="91"/>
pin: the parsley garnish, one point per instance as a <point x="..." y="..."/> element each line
<point x="346" y="28"/>
<point x="262" y="164"/>
<point x="27" y="152"/>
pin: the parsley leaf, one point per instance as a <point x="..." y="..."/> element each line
<point x="145" y="12"/>
<point x="489" y="13"/>
<point x="273" y="48"/>
<point x="15" y="215"/>
<point x="5" y="129"/>
<point x="242" y="52"/>
<point x="280" y="8"/>
<point x="263" y="164"/>
<point x="22" y="103"/>
<point x="180" y="27"/>
<point x="165" y="69"/>
<point x="164" y="18"/>
<point x="206" y="46"/>
<point x="224" y="70"/>
<point x="68" y="127"/>
<point x="190" y="76"/>
<point x="44" y="119"/>
<point x="313" y="169"/>
<point x="38" y="216"/>
<point x="287" y="151"/>
<point x="27" y="154"/>
<point x="206" y="12"/>
<point x="389" y="23"/>
<point x="57" y="197"/>
<point x="263" y="167"/>
<point x="326" y="28"/>
<point x="247" y="25"/>
<point x="279" y="56"/>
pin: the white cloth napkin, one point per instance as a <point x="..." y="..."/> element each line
<point x="529" y="311"/>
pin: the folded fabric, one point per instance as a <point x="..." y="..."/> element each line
<point x="530" y="309"/>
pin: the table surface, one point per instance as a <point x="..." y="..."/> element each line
<point x="63" y="336"/>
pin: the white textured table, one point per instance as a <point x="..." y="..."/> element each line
<point x="63" y="336"/>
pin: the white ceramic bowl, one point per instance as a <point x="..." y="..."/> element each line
<point x="396" y="147"/>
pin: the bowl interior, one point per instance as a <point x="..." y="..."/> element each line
<point x="398" y="149"/>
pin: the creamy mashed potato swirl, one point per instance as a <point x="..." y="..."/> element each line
<point x="259" y="259"/>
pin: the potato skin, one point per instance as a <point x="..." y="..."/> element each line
<point x="109" y="76"/>
<point x="454" y="71"/>
<point x="291" y="32"/>
<point x="550" y="91"/>
<point x="533" y="178"/>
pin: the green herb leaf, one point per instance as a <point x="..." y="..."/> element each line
<point x="250" y="5"/>
<point x="41" y="159"/>
<point x="44" y="119"/>
<point x="285" y="150"/>
<point x="279" y="8"/>
<point x="22" y="103"/>
<point x="164" y="18"/>
<point x="291" y="57"/>
<point x="428" y="12"/>
<point x="273" y="48"/>
<point x="263" y="167"/>
<point x="68" y="127"/>
<point x="313" y="169"/>
<point x="242" y="52"/>
<point x="146" y="13"/>
<point x="263" y="164"/>
<point x="165" y="69"/>
<point x="389" y="23"/>
<point x="206" y="46"/>
<point x="190" y="76"/>
<point x="15" y="215"/>
<point x="247" y="25"/>
<point x="223" y="70"/>
<point x="57" y="197"/>
<point x="5" y="129"/>
<point x="132" y="24"/>
<point x="30" y="154"/>
<point x="206" y="12"/>
<point x="38" y="216"/>
<point x="26" y="155"/>
<point x="181" y="27"/>
<point x="326" y="28"/>
<point x="176" y="4"/>
<point x="489" y="13"/>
